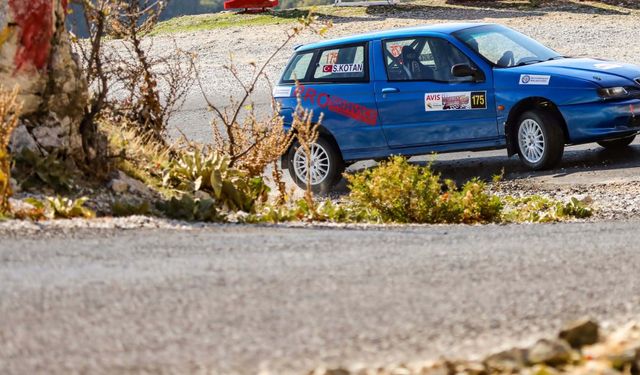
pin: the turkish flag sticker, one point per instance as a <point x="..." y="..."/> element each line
<point x="327" y="68"/>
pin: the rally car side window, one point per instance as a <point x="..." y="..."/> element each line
<point x="298" y="68"/>
<point x="341" y="64"/>
<point x="423" y="59"/>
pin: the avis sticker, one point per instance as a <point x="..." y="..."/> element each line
<point x="533" y="79"/>
<point x="343" y="68"/>
<point x="447" y="101"/>
<point x="282" y="91"/>
<point x="607" y="66"/>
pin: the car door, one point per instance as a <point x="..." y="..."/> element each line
<point x="421" y="103"/>
<point x="338" y="86"/>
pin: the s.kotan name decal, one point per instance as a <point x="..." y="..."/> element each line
<point x="343" y="68"/>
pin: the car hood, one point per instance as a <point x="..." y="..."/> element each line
<point x="602" y="72"/>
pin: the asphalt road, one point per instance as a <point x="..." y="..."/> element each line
<point x="237" y="299"/>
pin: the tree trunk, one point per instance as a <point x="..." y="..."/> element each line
<point x="35" y="54"/>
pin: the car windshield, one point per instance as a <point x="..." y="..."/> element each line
<point x="505" y="47"/>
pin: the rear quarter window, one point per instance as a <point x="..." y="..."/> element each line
<point x="298" y="67"/>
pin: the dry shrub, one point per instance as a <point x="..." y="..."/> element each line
<point x="10" y="110"/>
<point x="307" y="134"/>
<point x="150" y="87"/>
<point x="141" y="74"/>
<point x="250" y="143"/>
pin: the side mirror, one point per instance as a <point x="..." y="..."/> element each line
<point x="465" y="70"/>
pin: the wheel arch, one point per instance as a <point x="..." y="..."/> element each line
<point x="324" y="133"/>
<point x="528" y="104"/>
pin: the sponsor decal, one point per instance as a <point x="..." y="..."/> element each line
<point x="533" y="79"/>
<point x="337" y="105"/>
<point x="282" y="91"/>
<point x="343" y="68"/>
<point x="447" y="101"/>
<point x="607" y="66"/>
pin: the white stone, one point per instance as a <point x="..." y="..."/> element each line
<point x="21" y="139"/>
<point x="49" y="137"/>
<point x="119" y="186"/>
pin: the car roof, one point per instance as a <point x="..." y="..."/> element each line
<point x="443" y="28"/>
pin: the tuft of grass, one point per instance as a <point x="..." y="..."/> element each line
<point x="137" y="156"/>
<point x="538" y="209"/>
<point x="225" y="20"/>
<point x="121" y="208"/>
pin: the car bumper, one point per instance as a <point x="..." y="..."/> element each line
<point x="604" y="120"/>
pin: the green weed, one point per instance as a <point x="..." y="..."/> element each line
<point x="60" y="208"/>
<point x="190" y="209"/>
<point x="538" y="209"/>
<point x="399" y="192"/>
<point x="34" y="171"/>
<point x="200" y="169"/>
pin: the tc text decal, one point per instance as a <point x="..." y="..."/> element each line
<point x="337" y="105"/>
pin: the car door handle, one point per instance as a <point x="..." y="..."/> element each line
<point x="390" y="90"/>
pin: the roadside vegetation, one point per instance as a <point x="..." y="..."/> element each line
<point x="142" y="172"/>
<point x="9" y="115"/>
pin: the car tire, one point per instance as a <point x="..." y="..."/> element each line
<point x="614" y="144"/>
<point x="329" y="167"/>
<point x="540" y="140"/>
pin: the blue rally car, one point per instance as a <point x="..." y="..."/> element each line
<point x="452" y="87"/>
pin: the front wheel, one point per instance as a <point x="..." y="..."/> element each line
<point x="617" y="143"/>
<point x="326" y="166"/>
<point x="540" y="140"/>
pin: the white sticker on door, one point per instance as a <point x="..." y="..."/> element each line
<point x="533" y="79"/>
<point x="282" y="91"/>
<point x="447" y="101"/>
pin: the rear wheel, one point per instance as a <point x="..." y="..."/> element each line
<point x="326" y="166"/>
<point x="617" y="143"/>
<point x="540" y="140"/>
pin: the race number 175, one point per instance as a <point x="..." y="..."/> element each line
<point x="479" y="100"/>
